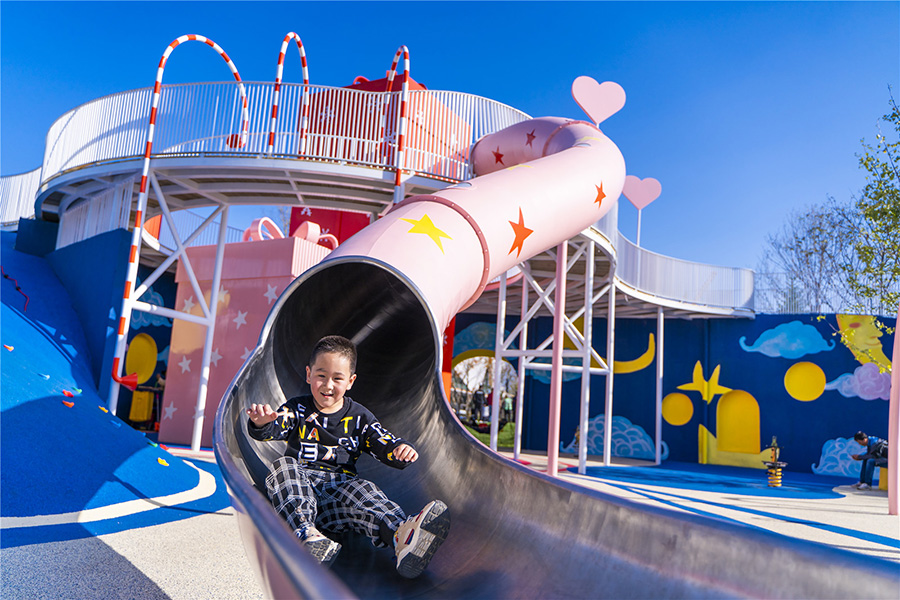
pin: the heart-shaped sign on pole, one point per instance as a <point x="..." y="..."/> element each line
<point x="641" y="192"/>
<point x="599" y="100"/>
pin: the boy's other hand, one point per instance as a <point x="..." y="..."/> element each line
<point x="405" y="453"/>
<point x="261" y="414"/>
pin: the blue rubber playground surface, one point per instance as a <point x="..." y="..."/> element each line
<point x="68" y="468"/>
<point x="722" y="480"/>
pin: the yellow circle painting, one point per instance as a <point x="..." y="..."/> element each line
<point x="141" y="357"/>
<point x="677" y="409"/>
<point x="804" y="381"/>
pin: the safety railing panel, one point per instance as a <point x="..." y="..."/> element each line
<point x="102" y="212"/>
<point x="673" y="278"/>
<point x="344" y="125"/>
<point x="17" y="195"/>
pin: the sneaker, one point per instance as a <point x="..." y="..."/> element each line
<point x="864" y="486"/>
<point x="417" y="539"/>
<point x="323" y="548"/>
<point x="857" y="484"/>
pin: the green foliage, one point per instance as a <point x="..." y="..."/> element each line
<point x="505" y="437"/>
<point x="842" y="257"/>
<point x="877" y="236"/>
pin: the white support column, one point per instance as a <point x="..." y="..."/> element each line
<point x="520" y="391"/>
<point x="559" y="316"/>
<point x="610" y="360"/>
<point x="660" y="328"/>
<point x="200" y="410"/>
<point x="586" y="360"/>
<point x="498" y="358"/>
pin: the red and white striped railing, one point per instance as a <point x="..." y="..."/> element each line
<point x="402" y="112"/>
<point x="134" y="253"/>
<point x="303" y="120"/>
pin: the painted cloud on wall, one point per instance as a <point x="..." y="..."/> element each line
<point x="789" y="340"/>
<point x="477" y="336"/>
<point x="836" y="460"/>
<point x="140" y="318"/>
<point x="865" y="382"/>
<point x="628" y="440"/>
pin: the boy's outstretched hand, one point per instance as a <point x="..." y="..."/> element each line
<point x="261" y="414"/>
<point x="405" y="453"/>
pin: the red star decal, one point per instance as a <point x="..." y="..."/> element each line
<point x="521" y="232"/>
<point x="531" y="137"/>
<point x="498" y="158"/>
<point x="600" y="195"/>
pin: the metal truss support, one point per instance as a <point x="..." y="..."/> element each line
<point x="564" y="327"/>
<point x="133" y="302"/>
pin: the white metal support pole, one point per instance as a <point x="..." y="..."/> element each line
<point x="586" y="359"/>
<point x="660" y="328"/>
<point x="498" y="359"/>
<point x="559" y="316"/>
<point x="610" y="361"/>
<point x="200" y="410"/>
<point x="639" y="229"/>
<point x="520" y="390"/>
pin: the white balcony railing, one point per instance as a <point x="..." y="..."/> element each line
<point x="18" y="194"/>
<point x="349" y="126"/>
<point x="675" y="279"/>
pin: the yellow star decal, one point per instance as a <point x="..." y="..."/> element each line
<point x="424" y="225"/>
<point x="707" y="389"/>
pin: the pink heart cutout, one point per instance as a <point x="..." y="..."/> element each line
<point x="599" y="100"/>
<point x="641" y="192"/>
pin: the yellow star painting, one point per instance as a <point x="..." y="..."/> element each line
<point x="707" y="389"/>
<point x="427" y="227"/>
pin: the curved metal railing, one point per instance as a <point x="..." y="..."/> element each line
<point x="344" y="126"/>
<point x="675" y="279"/>
<point x="17" y="193"/>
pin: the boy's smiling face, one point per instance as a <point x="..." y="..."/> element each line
<point x="329" y="378"/>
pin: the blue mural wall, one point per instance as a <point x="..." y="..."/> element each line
<point x="729" y="386"/>
<point x="93" y="272"/>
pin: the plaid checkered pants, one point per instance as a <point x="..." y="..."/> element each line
<point x="335" y="502"/>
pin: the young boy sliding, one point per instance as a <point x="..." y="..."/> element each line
<point x="315" y="484"/>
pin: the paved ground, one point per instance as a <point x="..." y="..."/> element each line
<point x="840" y="516"/>
<point x="198" y="558"/>
<point x="202" y="557"/>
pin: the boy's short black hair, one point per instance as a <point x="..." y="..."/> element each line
<point x="860" y="436"/>
<point x="337" y="344"/>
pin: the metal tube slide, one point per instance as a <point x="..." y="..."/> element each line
<point x="392" y="289"/>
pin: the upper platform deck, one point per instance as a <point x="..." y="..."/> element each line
<point x="325" y="147"/>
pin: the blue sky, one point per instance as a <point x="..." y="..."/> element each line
<point x="744" y="111"/>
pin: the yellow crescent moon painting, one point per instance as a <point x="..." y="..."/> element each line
<point x="862" y="337"/>
<point x="620" y="367"/>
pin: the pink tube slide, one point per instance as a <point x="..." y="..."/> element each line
<point x="537" y="183"/>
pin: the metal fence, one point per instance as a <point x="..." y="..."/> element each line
<point x="17" y="195"/>
<point x="779" y="293"/>
<point x="676" y="279"/>
<point x="105" y="211"/>
<point x="348" y="126"/>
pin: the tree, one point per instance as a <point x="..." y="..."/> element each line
<point x="807" y="251"/>
<point x="876" y="279"/>
<point x="838" y="256"/>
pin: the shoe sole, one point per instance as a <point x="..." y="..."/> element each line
<point x="427" y="539"/>
<point x="325" y="551"/>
